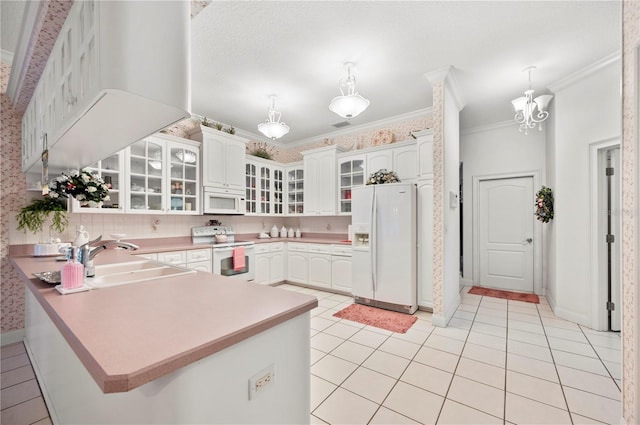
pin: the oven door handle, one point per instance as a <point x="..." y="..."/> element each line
<point x="246" y="249"/>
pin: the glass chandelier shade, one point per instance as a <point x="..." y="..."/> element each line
<point x="530" y="112"/>
<point x="351" y="104"/>
<point x="272" y="127"/>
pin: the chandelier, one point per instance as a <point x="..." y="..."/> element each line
<point x="272" y="127"/>
<point x="526" y="105"/>
<point x="351" y="104"/>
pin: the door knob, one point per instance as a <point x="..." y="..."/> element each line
<point x="526" y="241"/>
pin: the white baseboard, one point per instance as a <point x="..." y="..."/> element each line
<point x="12" y="337"/>
<point x="466" y="282"/>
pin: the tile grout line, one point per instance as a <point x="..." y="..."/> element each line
<point x="555" y="366"/>
<point x="600" y="358"/>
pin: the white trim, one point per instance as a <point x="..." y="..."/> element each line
<point x="537" y="226"/>
<point x="447" y="74"/>
<point x="18" y="70"/>
<point x="364" y="127"/>
<point x="342" y="132"/>
<point x="6" y="57"/>
<point x="597" y="292"/>
<point x="442" y="321"/>
<point x="12" y="337"/>
<point x="466" y="282"/>
<point x="584" y="72"/>
<point x="487" y="127"/>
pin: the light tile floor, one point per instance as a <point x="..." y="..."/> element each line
<point x="498" y="362"/>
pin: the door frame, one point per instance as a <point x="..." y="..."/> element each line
<point x="537" y="226"/>
<point x="598" y="254"/>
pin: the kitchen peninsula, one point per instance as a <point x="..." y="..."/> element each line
<point x="175" y="350"/>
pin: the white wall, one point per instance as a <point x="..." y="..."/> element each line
<point x="587" y="111"/>
<point x="451" y="215"/>
<point x="489" y="151"/>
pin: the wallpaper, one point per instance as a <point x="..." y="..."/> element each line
<point x="630" y="211"/>
<point x="12" y="195"/>
<point x="438" y="190"/>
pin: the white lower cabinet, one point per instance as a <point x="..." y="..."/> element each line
<point x="269" y="263"/>
<point x="320" y="265"/>
<point x="341" y="268"/>
<point x="297" y="262"/>
<point x="195" y="259"/>
<point x="425" y="243"/>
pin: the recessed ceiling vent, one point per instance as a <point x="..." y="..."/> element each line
<point x="341" y="124"/>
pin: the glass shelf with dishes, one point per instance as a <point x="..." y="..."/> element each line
<point x="183" y="174"/>
<point x="111" y="170"/>
<point x="295" y="190"/>
<point x="146" y="180"/>
<point x="352" y="174"/>
<point x="263" y="187"/>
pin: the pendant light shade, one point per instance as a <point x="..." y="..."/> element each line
<point x="272" y="127"/>
<point x="351" y="104"/>
<point x="525" y="107"/>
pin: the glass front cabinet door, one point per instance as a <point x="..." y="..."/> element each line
<point x="295" y="190"/>
<point x="351" y="175"/>
<point x="146" y="176"/>
<point x="183" y="178"/>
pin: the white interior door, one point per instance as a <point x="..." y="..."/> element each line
<point x="505" y="220"/>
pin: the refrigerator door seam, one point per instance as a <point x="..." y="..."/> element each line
<point x="372" y="244"/>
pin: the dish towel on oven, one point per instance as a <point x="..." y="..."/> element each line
<point x="238" y="259"/>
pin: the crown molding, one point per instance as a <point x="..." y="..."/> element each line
<point x="448" y="75"/>
<point x="363" y="127"/>
<point x="584" y="72"/>
<point x="488" y="127"/>
<point x="6" y="57"/>
<point x="342" y="132"/>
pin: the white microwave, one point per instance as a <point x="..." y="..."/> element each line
<point x="222" y="203"/>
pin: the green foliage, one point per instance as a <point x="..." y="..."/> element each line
<point x="544" y="204"/>
<point x="33" y="216"/>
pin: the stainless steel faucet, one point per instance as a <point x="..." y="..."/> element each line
<point x="88" y="251"/>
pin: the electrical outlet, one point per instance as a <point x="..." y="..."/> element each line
<point x="261" y="381"/>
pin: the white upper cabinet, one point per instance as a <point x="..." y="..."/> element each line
<point x="223" y="159"/>
<point x="264" y="187"/>
<point x="352" y="174"/>
<point x="425" y="153"/>
<point x="163" y="176"/>
<point x="320" y="180"/>
<point x="295" y="189"/>
<point x="398" y="157"/>
<point x="379" y="159"/>
<point x="84" y="107"/>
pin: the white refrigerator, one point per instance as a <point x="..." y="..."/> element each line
<point x="384" y="259"/>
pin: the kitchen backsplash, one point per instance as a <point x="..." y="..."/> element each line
<point x="156" y="226"/>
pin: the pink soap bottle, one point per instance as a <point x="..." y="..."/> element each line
<point x="72" y="273"/>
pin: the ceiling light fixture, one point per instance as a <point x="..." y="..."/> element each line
<point x="348" y="105"/>
<point x="525" y="107"/>
<point x="272" y="127"/>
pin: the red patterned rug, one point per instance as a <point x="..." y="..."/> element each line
<point x="383" y="319"/>
<point x="497" y="293"/>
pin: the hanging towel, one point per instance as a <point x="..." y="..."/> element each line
<point x="238" y="259"/>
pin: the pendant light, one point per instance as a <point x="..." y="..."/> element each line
<point x="526" y="105"/>
<point x="272" y="127"/>
<point x="351" y="104"/>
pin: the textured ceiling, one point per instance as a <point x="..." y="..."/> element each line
<point x="242" y="52"/>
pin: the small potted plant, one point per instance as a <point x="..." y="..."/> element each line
<point x="261" y="150"/>
<point x="33" y="216"/>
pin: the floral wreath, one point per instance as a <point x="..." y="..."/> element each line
<point x="87" y="188"/>
<point x="383" y="176"/>
<point x="544" y="204"/>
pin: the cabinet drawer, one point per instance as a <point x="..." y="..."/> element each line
<point x="199" y="255"/>
<point x="176" y="257"/>
<point x="344" y="250"/>
<point x="261" y="248"/>
<point x="298" y="246"/>
<point x="152" y="256"/>
<point x="203" y="266"/>
<point x="325" y="249"/>
<point x="276" y="246"/>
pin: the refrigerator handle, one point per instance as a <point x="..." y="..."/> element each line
<point x="372" y="240"/>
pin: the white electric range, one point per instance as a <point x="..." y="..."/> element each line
<point x="223" y="251"/>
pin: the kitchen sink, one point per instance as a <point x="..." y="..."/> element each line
<point x="137" y="271"/>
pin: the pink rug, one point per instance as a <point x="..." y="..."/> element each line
<point x="383" y="319"/>
<point x="497" y="293"/>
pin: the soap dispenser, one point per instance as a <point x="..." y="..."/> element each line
<point x="72" y="273"/>
<point x="283" y="232"/>
<point x="274" y="231"/>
